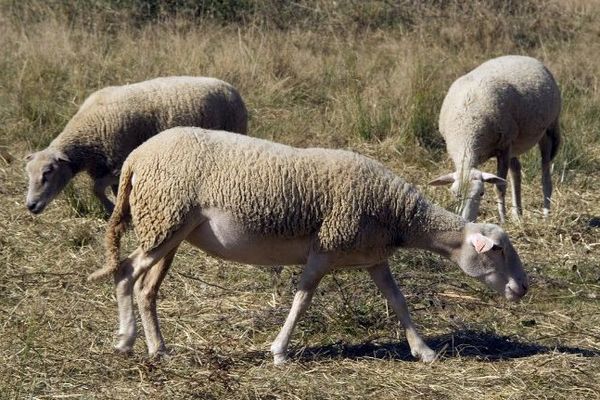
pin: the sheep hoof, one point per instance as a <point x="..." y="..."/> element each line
<point x="517" y="217"/>
<point x="125" y="345"/>
<point x="160" y="354"/>
<point x="124" y="349"/>
<point x="425" y="354"/>
<point x="279" y="358"/>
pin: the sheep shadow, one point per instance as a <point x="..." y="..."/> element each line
<point x="484" y="346"/>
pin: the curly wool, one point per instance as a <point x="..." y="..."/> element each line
<point x="274" y="190"/>
<point x="506" y="101"/>
<point x="115" y="120"/>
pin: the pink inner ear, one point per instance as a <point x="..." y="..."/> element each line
<point x="481" y="243"/>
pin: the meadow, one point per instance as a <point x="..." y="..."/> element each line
<point x="366" y="76"/>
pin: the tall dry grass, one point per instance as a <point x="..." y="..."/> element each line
<point x="369" y="76"/>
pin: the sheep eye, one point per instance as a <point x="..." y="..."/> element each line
<point x="496" y="247"/>
<point x="481" y="194"/>
<point x="45" y="174"/>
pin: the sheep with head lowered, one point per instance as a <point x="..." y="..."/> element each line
<point x="500" y="109"/>
<point x="258" y="202"/>
<point x="115" y="120"/>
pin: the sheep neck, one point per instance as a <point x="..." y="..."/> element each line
<point x="466" y="162"/>
<point x="435" y="229"/>
<point x="81" y="155"/>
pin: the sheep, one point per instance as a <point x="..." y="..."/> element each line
<point x="113" y="121"/>
<point x="500" y="109"/>
<point x="257" y="202"/>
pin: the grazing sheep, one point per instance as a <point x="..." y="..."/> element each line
<point x="258" y="202"/>
<point x="115" y="120"/>
<point x="500" y="109"/>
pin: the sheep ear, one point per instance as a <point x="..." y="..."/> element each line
<point x="480" y="242"/>
<point x="447" y="179"/>
<point x="61" y="157"/>
<point x="491" y="178"/>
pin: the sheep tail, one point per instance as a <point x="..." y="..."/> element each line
<point x="553" y="133"/>
<point x="117" y="226"/>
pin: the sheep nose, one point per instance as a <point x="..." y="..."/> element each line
<point x="518" y="288"/>
<point x="32" y="207"/>
<point x="521" y="289"/>
<point x="525" y="282"/>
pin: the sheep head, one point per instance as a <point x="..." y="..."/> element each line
<point x="49" y="172"/>
<point x="487" y="254"/>
<point x="470" y="189"/>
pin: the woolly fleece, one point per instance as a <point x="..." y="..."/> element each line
<point x="508" y="101"/>
<point x="274" y="190"/>
<point x="115" y="120"/>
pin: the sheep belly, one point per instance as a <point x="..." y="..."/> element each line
<point x="523" y="143"/>
<point x="222" y="236"/>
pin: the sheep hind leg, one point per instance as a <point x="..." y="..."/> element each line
<point x="127" y="328"/>
<point x="515" y="180"/>
<point x="383" y="278"/>
<point x="146" y="289"/>
<point x="315" y="269"/>
<point x="545" y="146"/>
<point x="130" y="270"/>
<point x="502" y="172"/>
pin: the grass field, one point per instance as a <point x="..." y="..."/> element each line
<point x="366" y="76"/>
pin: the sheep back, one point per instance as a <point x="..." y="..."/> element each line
<point x="115" y="120"/>
<point x="339" y="197"/>
<point x="488" y="107"/>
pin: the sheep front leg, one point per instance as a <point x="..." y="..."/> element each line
<point x="515" y="180"/>
<point x="502" y="172"/>
<point x="315" y="269"/>
<point x="384" y="280"/>
<point x="100" y="186"/>
<point x="146" y="289"/>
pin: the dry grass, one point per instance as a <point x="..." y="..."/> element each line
<point x="370" y="77"/>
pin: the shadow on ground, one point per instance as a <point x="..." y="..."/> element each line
<point x="468" y="343"/>
<point x="483" y="346"/>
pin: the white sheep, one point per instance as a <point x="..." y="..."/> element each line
<point x="257" y="202"/>
<point x="115" y="120"/>
<point x="500" y="109"/>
